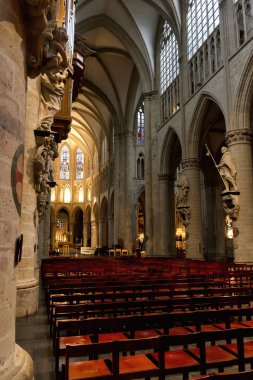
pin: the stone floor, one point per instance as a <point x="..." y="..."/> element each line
<point x="32" y="334"/>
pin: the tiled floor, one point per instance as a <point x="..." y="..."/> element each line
<point x="32" y="334"/>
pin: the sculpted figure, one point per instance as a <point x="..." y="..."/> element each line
<point x="182" y="190"/>
<point x="53" y="77"/>
<point x="227" y="170"/>
<point x="43" y="163"/>
<point x="36" y="11"/>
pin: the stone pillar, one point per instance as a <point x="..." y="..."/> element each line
<point x="149" y="100"/>
<point x="110" y="230"/>
<point x="27" y="283"/>
<point x="239" y="143"/>
<point x="167" y="216"/>
<point x="194" y="243"/>
<point x="85" y="234"/>
<point x="94" y="233"/>
<point x="118" y="188"/>
<point x="15" y="363"/>
<point x="129" y="191"/>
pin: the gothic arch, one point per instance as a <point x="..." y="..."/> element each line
<point x="244" y="97"/>
<point x="104" y="208"/>
<point x="172" y="145"/>
<point x="196" y="124"/>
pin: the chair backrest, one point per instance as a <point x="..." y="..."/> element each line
<point x="247" y="375"/>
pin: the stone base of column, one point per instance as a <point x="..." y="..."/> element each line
<point x="20" y="367"/>
<point x="27" y="297"/>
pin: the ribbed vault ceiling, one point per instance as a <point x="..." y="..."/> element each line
<point x="123" y="33"/>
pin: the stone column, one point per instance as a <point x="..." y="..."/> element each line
<point x="110" y="230"/>
<point x="15" y="363"/>
<point x="27" y="283"/>
<point x="118" y="188"/>
<point x="239" y="143"/>
<point x="195" y="241"/>
<point x="167" y="216"/>
<point x="94" y="233"/>
<point x="85" y="234"/>
<point x="149" y="100"/>
<point x="129" y="191"/>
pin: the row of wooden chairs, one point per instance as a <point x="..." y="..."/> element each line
<point x="99" y="330"/>
<point x="158" y="357"/>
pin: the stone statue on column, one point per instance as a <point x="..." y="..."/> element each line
<point x="230" y="195"/>
<point x="43" y="171"/>
<point x="227" y="170"/>
<point x="182" y="207"/>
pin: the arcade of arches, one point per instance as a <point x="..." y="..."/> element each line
<point x="133" y="153"/>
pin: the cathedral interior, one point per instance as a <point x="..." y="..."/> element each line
<point x="126" y="131"/>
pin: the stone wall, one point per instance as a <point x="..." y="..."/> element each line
<point x="14" y="362"/>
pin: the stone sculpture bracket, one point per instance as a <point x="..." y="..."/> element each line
<point x="184" y="214"/>
<point x="231" y="205"/>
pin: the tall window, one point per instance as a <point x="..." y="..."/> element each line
<point x="140" y="166"/>
<point x="202" y="19"/>
<point x="64" y="163"/>
<point x="79" y="164"/>
<point x="140" y="125"/>
<point x="169" y="66"/>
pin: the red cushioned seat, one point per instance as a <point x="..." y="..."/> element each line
<point x="110" y="337"/>
<point x="178" y="359"/>
<point x="135" y="363"/>
<point x="140" y="334"/>
<point x="216" y="355"/>
<point x="96" y="369"/>
<point x="204" y="328"/>
<point x="77" y="339"/>
<point x="233" y="325"/>
<point x="248" y="349"/>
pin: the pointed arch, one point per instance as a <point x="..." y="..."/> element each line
<point x="171" y="148"/>
<point x="196" y="132"/>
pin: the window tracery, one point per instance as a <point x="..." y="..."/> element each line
<point x="202" y="19"/>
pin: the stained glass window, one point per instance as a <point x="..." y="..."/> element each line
<point x="140" y="125"/>
<point x="79" y="164"/>
<point x="64" y="163"/>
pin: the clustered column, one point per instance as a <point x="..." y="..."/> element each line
<point x="194" y="243"/>
<point x="167" y="217"/>
<point x="240" y="145"/>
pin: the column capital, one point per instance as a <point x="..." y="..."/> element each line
<point x="238" y="136"/>
<point x="164" y="177"/>
<point x="150" y="95"/>
<point x="190" y="163"/>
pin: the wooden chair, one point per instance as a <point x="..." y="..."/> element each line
<point x="116" y="366"/>
<point x="247" y="375"/>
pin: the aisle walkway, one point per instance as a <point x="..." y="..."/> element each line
<point x="32" y="334"/>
